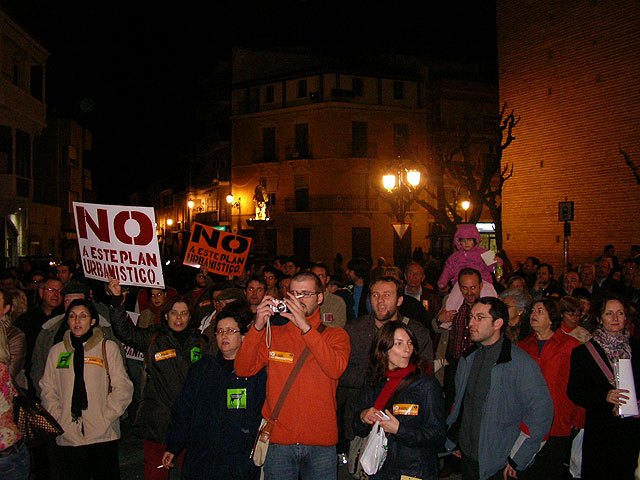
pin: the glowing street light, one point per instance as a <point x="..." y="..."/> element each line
<point x="190" y="204"/>
<point x="389" y="182"/>
<point x="465" y="206"/>
<point x="169" y="221"/>
<point x="413" y="178"/>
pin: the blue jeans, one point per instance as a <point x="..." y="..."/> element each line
<point x="285" y="462"/>
<point x="16" y="465"/>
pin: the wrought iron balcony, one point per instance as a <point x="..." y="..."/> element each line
<point x="333" y="203"/>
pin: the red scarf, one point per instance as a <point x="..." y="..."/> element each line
<point x="394" y="380"/>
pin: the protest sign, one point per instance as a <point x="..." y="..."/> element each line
<point x="217" y="251"/>
<point x="131" y="352"/>
<point x="119" y="241"/>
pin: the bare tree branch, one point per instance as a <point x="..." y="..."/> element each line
<point x="631" y="163"/>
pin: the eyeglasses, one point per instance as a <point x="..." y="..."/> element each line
<point x="303" y="294"/>
<point x="479" y="318"/>
<point x="228" y="331"/>
<point x="175" y="313"/>
<point x="52" y="290"/>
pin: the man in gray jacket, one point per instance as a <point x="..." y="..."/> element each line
<point x="502" y="410"/>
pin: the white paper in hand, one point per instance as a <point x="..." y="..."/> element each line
<point x="624" y="380"/>
<point x="489" y="257"/>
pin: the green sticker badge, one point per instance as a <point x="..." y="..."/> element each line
<point x="64" y="359"/>
<point x="196" y="354"/>
<point x="236" y="398"/>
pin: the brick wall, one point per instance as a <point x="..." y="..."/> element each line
<point x="571" y="70"/>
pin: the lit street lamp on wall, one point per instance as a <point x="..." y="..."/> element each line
<point x="233" y="204"/>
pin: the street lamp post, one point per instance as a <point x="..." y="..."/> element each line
<point x="237" y="204"/>
<point x="465" y="206"/>
<point x="402" y="187"/>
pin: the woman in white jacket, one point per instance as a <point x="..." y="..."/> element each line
<point x="86" y="389"/>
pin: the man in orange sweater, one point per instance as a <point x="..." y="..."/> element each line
<point x="303" y="439"/>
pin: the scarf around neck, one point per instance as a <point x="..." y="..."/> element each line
<point x="79" y="400"/>
<point x="615" y="346"/>
<point x="394" y="380"/>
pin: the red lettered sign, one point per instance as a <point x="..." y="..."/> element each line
<point x="119" y="241"/>
<point x="220" y="252"/>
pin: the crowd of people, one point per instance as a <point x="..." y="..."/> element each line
<point x="470" y="366"/>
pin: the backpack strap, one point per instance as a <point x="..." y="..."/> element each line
<point x="106" y="364"/>
<point x="603" y="366"/>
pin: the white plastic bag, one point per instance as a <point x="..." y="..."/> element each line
<point x="375" y="450"/>
<point x="575" y="465"/>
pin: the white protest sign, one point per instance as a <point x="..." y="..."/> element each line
<point x="119" y="241"/>
<point x="131" y="352"/>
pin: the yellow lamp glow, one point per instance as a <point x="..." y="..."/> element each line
<point x="190" y="204"/>
<point x="229" y="199"/>
<point x="169" y="221"/>
<point x="465" y="205"/>
<point x="413" y="178"/>
<point x="389" y="181"/>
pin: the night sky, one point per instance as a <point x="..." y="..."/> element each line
<point x="136" y="67"/>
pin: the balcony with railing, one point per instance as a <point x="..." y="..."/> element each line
<point x="362" y="150"/>
<point x="261" y="155"/>
<point x="298" y="152"/>
<point x="331" y="203"/>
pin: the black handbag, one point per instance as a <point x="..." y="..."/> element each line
<point x="35" y="423"/>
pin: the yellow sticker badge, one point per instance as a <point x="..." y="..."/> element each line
<point x="165" y="354"/>
<point x="407" y="477"/>
<point x="406" y="409"/>
<point x="285" y="357"/>
<point x="93" y="361"/>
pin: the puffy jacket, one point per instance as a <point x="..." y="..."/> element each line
<point x="218" y="436"/>
<point x="413" y="450"/>
<point x="100" y="422"/>
<point x="46" y="339"/>
<point x="460" y="260"/>
<point x="554" y="361"/>
<point x="308" y="415"/>
<point x="166" y="368"/>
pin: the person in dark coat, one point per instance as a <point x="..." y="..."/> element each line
<point x="170" y="348"/>
<point x="217" y="414"/>
<point x="611" y="443"/>
<point x="411" y="399"/>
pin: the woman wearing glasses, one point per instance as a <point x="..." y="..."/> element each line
<point x="86" y="389"/>
<point x="170" y="348"/>
<point x="551" y="348"/>
<point x="217" y="414"/>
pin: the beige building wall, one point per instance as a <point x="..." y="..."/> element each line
<point x="340" y="185"/>
<point x="571" y="71"/>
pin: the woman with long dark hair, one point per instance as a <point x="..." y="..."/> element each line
<point x="399" y="388"/>
<point x="170" y="348"/>
<point x="14" y="456"/>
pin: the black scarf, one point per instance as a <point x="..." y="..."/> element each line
<point x="79" y="400"/>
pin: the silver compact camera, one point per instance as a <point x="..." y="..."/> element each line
<point x="279" y="306"/>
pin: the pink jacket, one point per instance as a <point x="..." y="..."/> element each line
<point x="460" y="260"/>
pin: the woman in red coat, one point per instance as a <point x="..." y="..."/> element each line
<point x="551" y="348"/>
